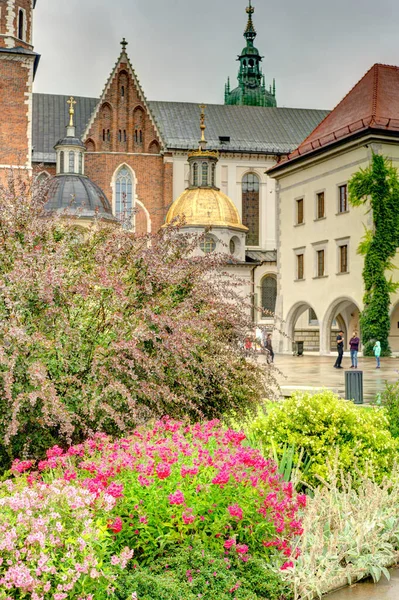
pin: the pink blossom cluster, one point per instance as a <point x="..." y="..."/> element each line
<point x="49" y="539"/>
<point x="185" y="479"/>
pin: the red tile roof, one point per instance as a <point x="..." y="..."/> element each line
<point x="372" y="103"/>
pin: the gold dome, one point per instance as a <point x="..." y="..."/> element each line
<point x="205" y="207"/>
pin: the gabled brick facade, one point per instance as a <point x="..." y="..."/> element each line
<point x="122" y="132"/>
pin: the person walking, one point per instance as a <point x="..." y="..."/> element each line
<point x="354" y="348"/>
<point x="377" y="354"/>
<point x="269" y="348"/>
<point x="340" y="350"/>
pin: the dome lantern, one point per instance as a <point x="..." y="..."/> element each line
<point x="202" y="206"/>
<point x="71" y="191"/>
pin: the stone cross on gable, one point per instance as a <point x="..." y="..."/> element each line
<point x="124" y="43"/>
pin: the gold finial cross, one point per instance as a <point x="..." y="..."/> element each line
<point x="250" y="9"/>
<point x="71" y="103"/>
<point x="202" y="122"/>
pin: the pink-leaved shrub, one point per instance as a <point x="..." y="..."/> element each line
<point x="101" y="330"/>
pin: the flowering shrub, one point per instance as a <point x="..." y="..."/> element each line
<point x="52" y="543"/>
<point x="179" y="482"/>
<point x="103" y="330"/>
<point x="325" y="426"/>
<point x="193" y="572"/>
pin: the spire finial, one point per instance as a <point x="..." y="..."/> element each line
<point x="202" y="126"/>
<point x="124" y="43"/>
<point x="250" y="32"/>
<point x="71" y="103"/>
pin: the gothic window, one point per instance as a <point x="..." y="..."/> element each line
<point x="72" y="162"/>
<point x="204" y="173"/>
<point x="62" y="162"/>
<point x="106" y="116"/>
<point x="138" y="122"/>
<point x="124" y="135"/>
<point x="124" y="197"/>
<point x="21" y="25"/>
<point x="269" y="293"/>
<point x="195" y="174"/>
<point x="250" y="207"/>
<point x="154" y="147"/>
<point x="123" y="91"/>
<point x="120" y="135"/>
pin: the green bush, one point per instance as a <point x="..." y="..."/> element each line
<point x="390" y="400"/>
<point x="327" y="428"/>
<point x="194" y="573"/>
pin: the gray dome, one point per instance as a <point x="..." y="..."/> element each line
<point x="78" y="194"/>
<point x="70" y="141"/>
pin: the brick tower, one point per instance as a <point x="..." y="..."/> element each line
<point x="18" y="64"/>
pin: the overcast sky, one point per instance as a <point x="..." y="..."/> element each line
<point x="183" y="50"/>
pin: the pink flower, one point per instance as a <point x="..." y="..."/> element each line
<point x="176" y="498"/>
<point x="54" y="452"/>
<point x="115" y="490"/>
<point x="188" y="518"/>
<point x="19" y="466"/>
<point x="143" y="481"/>
<point x="241" y="548"/>
<point x="229" y="543"/>
<point x="236" y="511"/>
<point x="287" y="565"/>
<point x="163" y="470"/>
<point x="116" y="525"/>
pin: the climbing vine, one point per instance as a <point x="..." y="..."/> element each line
<point x="377" y="187"/>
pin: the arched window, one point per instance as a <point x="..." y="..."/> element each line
<point x="195" y="174"/>
<point x="138" y="121"/>
<point x="204" y="173"/>
<point x="269" y="293"/>
<point x="213" y="177"/>
<point x="124" y="197"/>
<point x="71" y="162"/>
<point x="250" y="207"/>
<point x="123" y="91"/>
<point x="62" y="162"/>
<point x="21" y="25"/>
<point x="106" y="117"/>
<point x="80" y="162"/>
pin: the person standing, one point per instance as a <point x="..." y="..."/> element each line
<point x="354" y="348"/>
<point x="377" y="354"/>
<point x="269" y="348"/>
<point x="340" y="350"/>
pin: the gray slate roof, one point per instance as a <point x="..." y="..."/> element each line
<point x="50" y="118"/>
<point x="250" y="128"/>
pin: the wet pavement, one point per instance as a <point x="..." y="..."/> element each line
<point x="317" y="371"/>
<point x="384" y="590"/>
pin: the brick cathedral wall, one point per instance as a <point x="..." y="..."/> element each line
<point x="154" y="181"/>
<point x="15" y="106"/>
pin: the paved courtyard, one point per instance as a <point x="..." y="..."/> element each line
<point x="385" y="590"/>
<point x="317" y="371"/>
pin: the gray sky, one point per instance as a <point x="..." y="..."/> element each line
<point x="183" y="50"/>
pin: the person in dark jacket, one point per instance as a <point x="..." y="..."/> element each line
<point x="269" y="348"/>
<point x="354" y="348"/>
<point x="340" y="350"/>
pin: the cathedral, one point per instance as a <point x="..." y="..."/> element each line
<point x="123" y="153"/>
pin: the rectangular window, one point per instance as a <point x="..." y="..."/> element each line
<point x="300" y="273"/>
<point x="320" y="206"/>
<point x="343" y="199"/>
<point x="299" y="211"/>
<point x="320" y="263"/>
<point x="343" y="259"/>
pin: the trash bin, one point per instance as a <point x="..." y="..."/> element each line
<point x="300" y="348"/>
<point x="354" y="386"/>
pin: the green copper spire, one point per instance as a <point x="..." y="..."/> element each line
<point x="251" y="90"/>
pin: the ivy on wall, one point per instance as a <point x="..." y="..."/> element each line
<point x="377" y="187"/>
